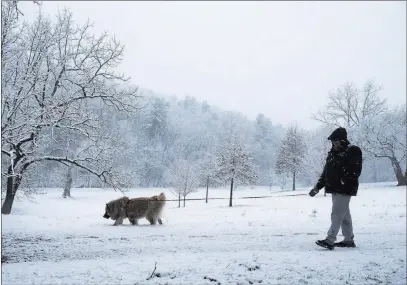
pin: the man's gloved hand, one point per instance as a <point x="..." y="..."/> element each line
<point x="314" y="191"/>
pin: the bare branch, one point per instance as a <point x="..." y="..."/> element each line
<point x="103" y="175"/>
<point x="348" y="106"/>
<point x="152" y="274"/>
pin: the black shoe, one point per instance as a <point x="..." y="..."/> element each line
<point x="325" y="244"/>
<point x="345" y="244"/>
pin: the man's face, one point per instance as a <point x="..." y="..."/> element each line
<point x="336" y="144"/>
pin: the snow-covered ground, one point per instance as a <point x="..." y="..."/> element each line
<point x="259" y="241"/>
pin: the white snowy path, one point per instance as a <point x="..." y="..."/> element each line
<point x="264" y="241"/>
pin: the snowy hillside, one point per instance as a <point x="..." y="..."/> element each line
<point x="258" y="241"/>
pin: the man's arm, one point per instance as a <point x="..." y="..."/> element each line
<point x="320" y="184"/>
<point x="321" y="181"/>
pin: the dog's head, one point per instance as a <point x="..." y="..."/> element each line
<point x="116" y="208"/>
<point x="106" y="215"/>
<point x="161" y="196"/>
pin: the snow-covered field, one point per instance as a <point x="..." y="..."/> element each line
<point x="259" y="241"/>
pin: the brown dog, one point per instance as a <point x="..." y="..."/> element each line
<point x="135" y="209"/>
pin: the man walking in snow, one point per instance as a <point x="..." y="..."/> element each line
<point x="340" y="177"/>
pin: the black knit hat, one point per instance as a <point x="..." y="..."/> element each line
<point x="339" y="134"/>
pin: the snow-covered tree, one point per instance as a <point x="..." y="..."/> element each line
<point x="233" y="163"/>
<point x="183" y="179"/>
<point x="156" y="122"/>
<point x="207" y="173"/>
<point x="205" y="106"/>
<point x="50" y="70"/>
<point x="264" y="148"/>
<point x="290" y="158"/>
<point x="384" y="136"/>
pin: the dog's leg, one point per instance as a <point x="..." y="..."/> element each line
<point x="151" y="220"/>
<point x="159" y="221"/>
<point x="119" y="221"/>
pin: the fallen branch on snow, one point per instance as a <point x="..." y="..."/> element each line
<point x="152" y="274"/>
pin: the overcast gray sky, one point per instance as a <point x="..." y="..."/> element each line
<point x="276" y="58"/>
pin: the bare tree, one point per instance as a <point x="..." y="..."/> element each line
<point x="348" y="105"/>
<point x="234" y="163"/>
<point x="290" y="158"/>
<point x="385" y="137"/>
<point x="184" y="179"/>
<point x="379" y="132"/>
<point x="55" y="74"/>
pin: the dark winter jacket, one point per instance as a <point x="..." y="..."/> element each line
<point x="341" y="171"/>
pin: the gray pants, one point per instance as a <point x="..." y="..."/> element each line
<point x="340" y="218"/>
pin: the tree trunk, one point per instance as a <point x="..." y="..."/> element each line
<point x="12" y="186"/>
<point x="8" y="204"/>
<point x="401" y="179"/>
<point x="184" y="201"/>
<point x="158" y="181"/>
<point x="324" y="192"/>
<point x="68" y="183"/>
<point x="207" y="188"/>
<point x="293" y="180"/>
<point x="231" y="193"/>
<point x="179" y="200"/>
<point x="374" y="172"/>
